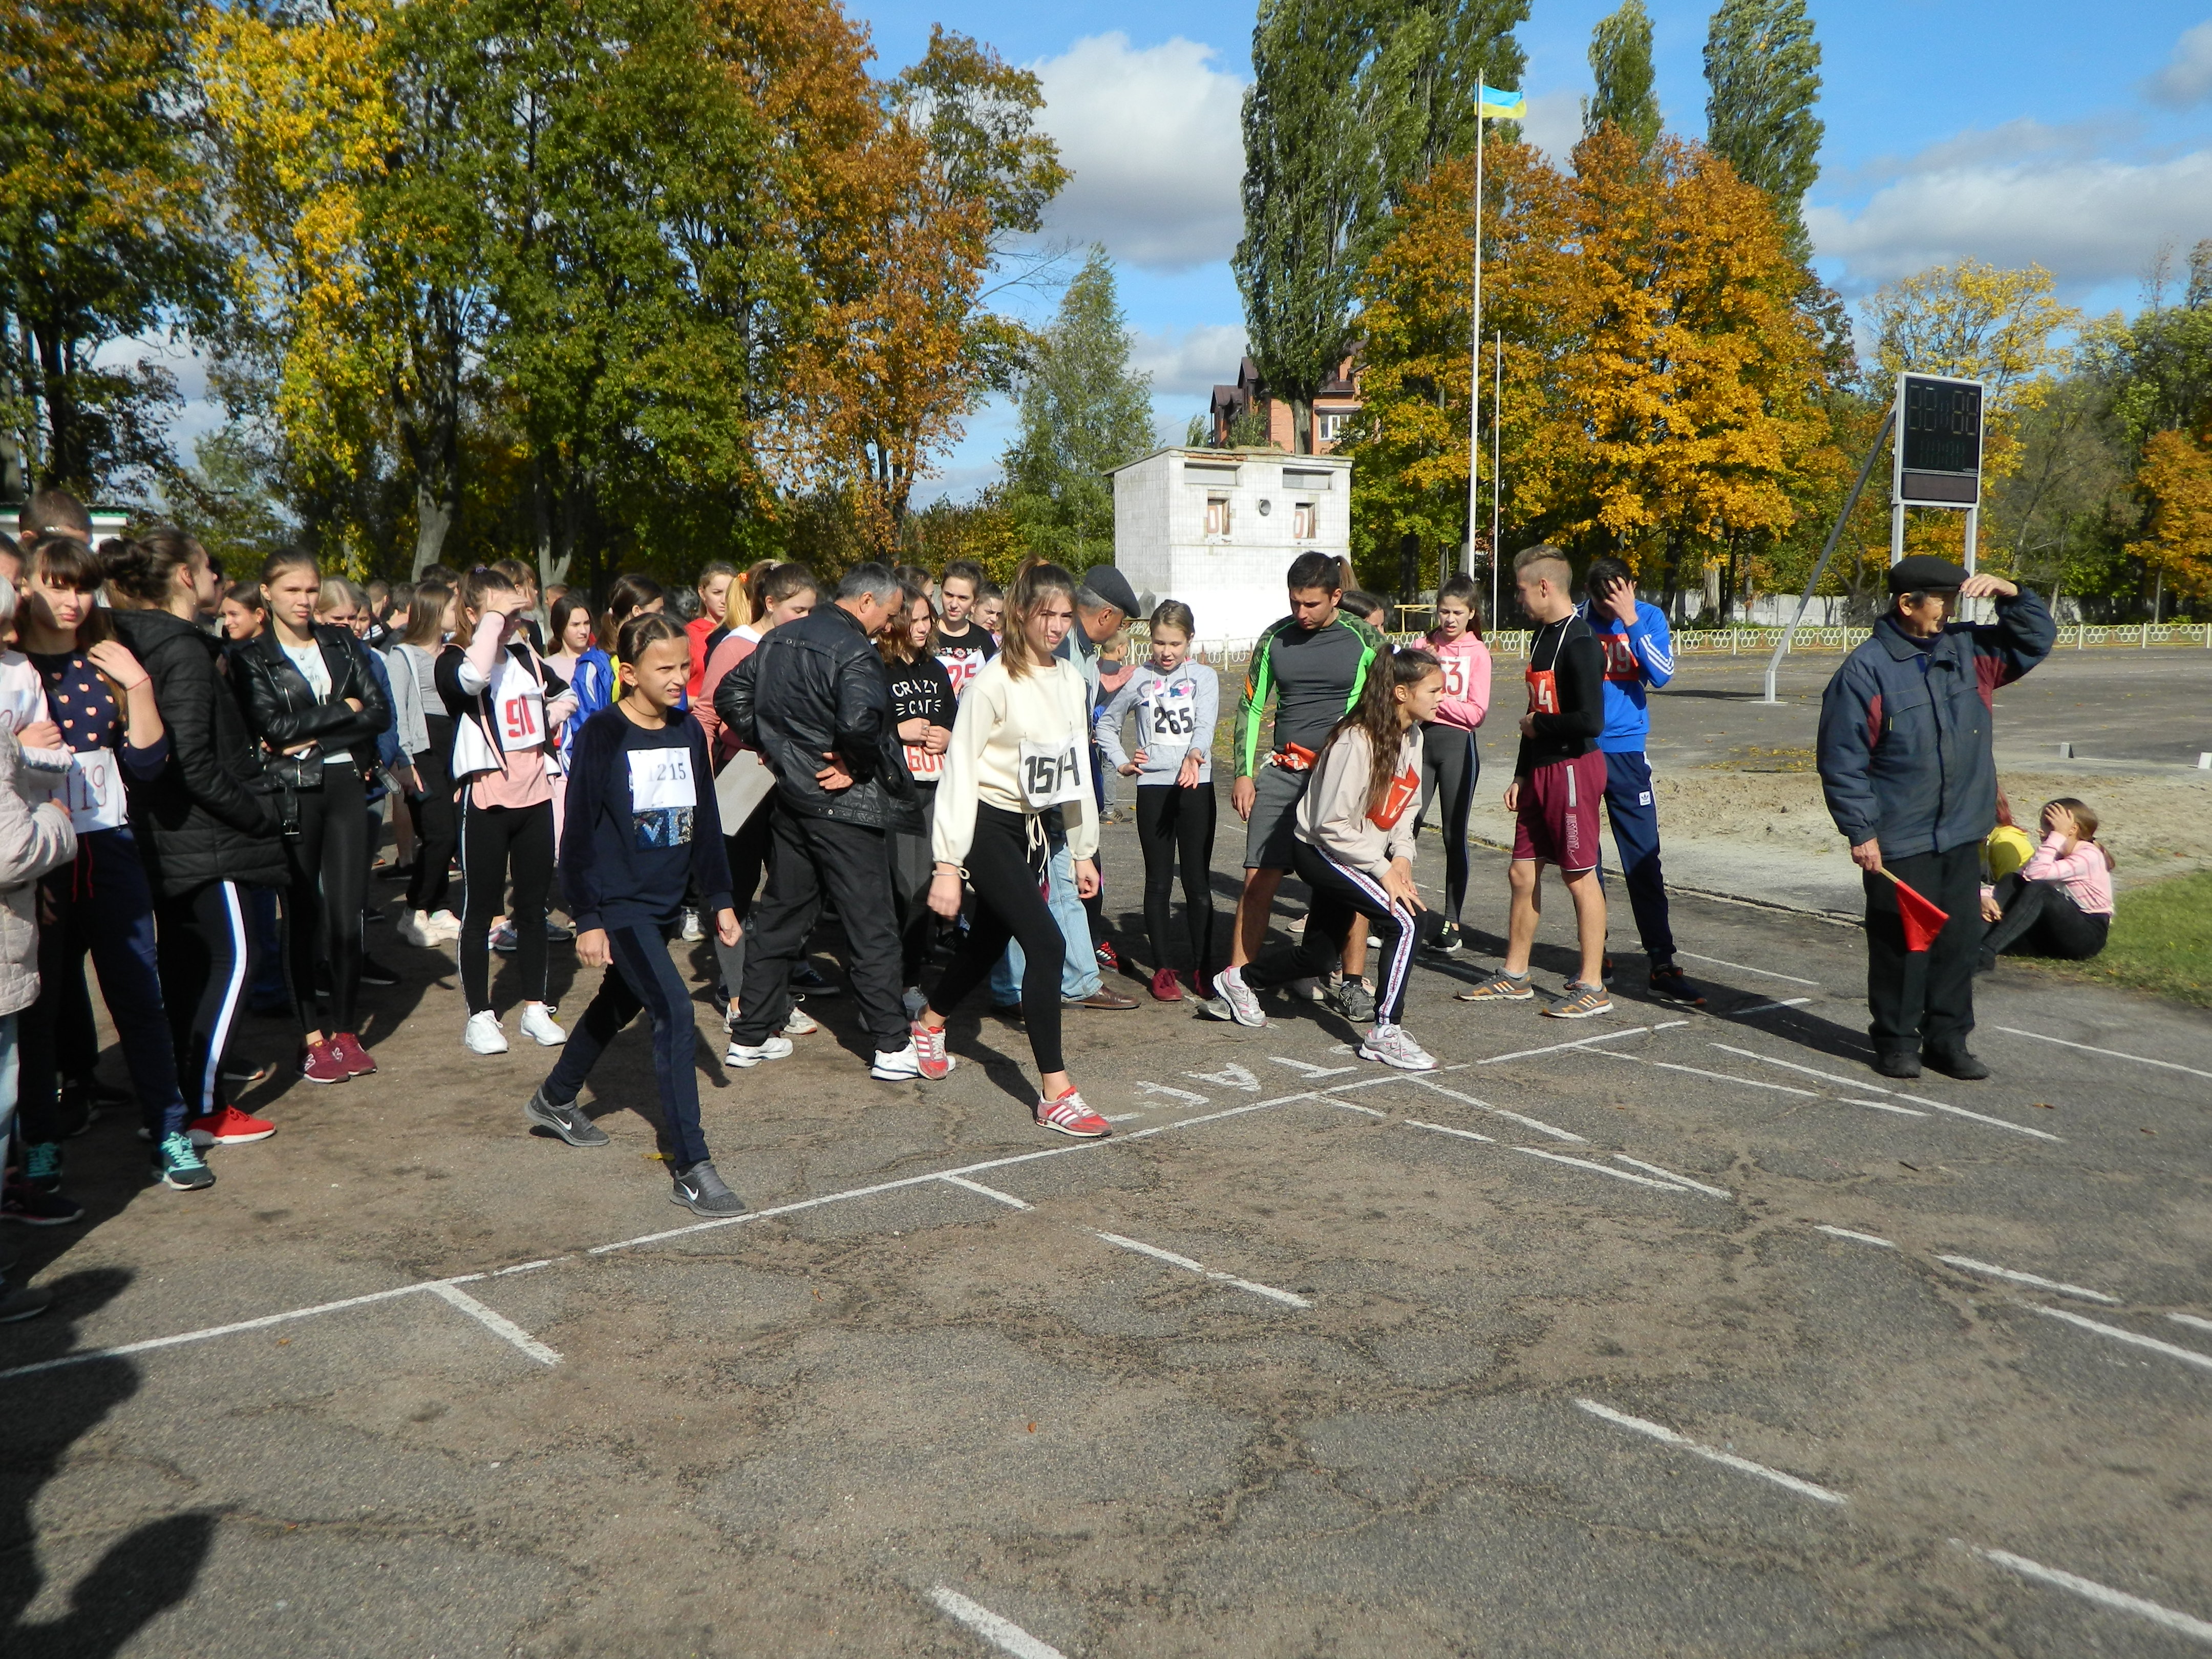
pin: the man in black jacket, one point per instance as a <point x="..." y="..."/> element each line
<point x="815" y="701"/>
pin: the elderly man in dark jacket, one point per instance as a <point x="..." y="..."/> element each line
<point x="815" y="700"/>
<point x="1910" y="779"/>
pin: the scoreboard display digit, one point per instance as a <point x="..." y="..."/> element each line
<point x="1939" y="446"/>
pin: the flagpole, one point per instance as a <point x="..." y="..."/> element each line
<point x="1497" y="471"/>
<point x="1475" y="356"/>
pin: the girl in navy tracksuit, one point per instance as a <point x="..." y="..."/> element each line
<point x="642" y="827"/>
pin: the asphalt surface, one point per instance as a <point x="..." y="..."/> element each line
<point x="1401" y="1383"/>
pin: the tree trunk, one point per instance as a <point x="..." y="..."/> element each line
<point x="434" y="517"/>
<point x="1302" y="426"/>
<point x="66" y="462"/>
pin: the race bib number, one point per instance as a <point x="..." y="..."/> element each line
<point x="1455" y="667"/>
<point x="1405" y="789"/>
<point x="926" y="767"/>
<point x="96" y="798"/>
<point x="662" y="796"/>
<point x="1051" y="774"/>
<point x="1170" y="715"/>
<point x="1622" y="665"/>
<point x="960" y="667"/>
<point x="1543" y="692"/>
<point x="519" y="707"/>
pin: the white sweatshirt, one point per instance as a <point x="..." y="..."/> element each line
<point x="1333" y="814"/>
<point x="1046" y="710"/>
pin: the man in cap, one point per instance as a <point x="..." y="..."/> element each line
<point x="1907" y="767"/>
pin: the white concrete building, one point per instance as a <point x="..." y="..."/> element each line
<point x="1217" y="529"/>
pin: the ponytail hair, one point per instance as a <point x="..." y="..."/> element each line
<point x="1174" y="613"/>
<point x="627" y="594"/>
<point x="640" y="633"/>
<point x="143" y="568"/>
<point x="1038" y="581"/>
<point x="481" y="582"/>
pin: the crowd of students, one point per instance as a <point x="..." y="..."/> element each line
<point x="196" y="778"/>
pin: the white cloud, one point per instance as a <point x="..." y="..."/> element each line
<point x="1152" y="136"/>
<point x="1554" y="124"/>
<point x="1191" y="361"/>
<point x="2187" y="77"/>
<point x="2086" y="222"/>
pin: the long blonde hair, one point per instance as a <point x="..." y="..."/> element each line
<point x="1035" y="584"/>
<point x="2085" y="820"/>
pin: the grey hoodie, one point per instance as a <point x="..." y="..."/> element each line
<point x="1175" y="713"/>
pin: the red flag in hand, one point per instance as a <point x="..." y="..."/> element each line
<point x="1923" y="919"/>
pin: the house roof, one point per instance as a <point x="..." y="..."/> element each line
<point x="1256" y="452"/>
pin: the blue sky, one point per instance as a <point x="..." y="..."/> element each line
<point x="2015" y="132"/>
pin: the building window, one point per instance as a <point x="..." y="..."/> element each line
<point x="1217" y="515"/>
<point x="1332" y="427"/>
<point x="1301" y="522"/>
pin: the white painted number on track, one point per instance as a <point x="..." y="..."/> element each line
<point x="1231" y="1076"/>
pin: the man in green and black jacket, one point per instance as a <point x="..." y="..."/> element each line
<point x="1313" y="664"/>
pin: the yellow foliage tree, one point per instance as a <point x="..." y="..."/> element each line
<point x="2177" y="478"/>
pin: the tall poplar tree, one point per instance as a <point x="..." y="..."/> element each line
<point x="1762" y="66"/>
<point x="1620" y="58"/>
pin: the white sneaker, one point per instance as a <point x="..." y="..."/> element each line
<point x="899" y="1066"/>
<point x="770" y="1047"/>
<point x="419" y="930"/>
<point x="692" y="931"/>
<point x="539" y="1024"/>
<point x="914" y="1001"/>
<point x="1244" y="1007"/>
<point x="447" y="923"/>
<point x="799" y="1022"/>
<point x="482" y="1035"/>
<point x="1390" y="1045"/>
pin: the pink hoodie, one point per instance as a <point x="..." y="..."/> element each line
<point x="2088" y="878"/>
<point x="1467" y="680"/>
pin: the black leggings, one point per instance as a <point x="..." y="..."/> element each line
<point x="1007" y="875"/>
<point x="497" y="842"/>
<point x="322" y="910"/>
<point x="1172" y="822"/>
<point x="433" y="817"/>
<point x="2042" y="917"/>
<point x="207" y="956"/>
<point x="1341" y="896"/>
<point x="912" y="867"/>
<point x="1451" y="764"/>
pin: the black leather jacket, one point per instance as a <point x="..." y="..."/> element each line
<point x="283" y="710"/>
<point x="816" y="687"/>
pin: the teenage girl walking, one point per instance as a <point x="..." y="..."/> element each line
<point x="642" y="827"/>
<point x="1021" y="747"/>
<point x="1354" y="848"/>
<point x="922" y="705"/>
<point x="493" y="686"/>
<point x="1452" y="760"/>
<point x="314" y="701"/>
<point x="414" y="665"/>
<point x="1176" y="702"/>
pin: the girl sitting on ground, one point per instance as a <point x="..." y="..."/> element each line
<point x="2060" y="903"/>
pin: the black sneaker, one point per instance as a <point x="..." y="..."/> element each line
<point x="701" y="1191"/>
<point x="1955" y="1062"/>
<point x="1897" y="1063"/>
<point x="28" y="1206"/>
<point x="374" y="973"/>
<point x="1671" y="984"/>
<point x="805" y="978"/>
<point x="1448" y="939"/>
<point x="22" y="1304"/>
<point x="567" y="1121"/>
<point x="177" y="1163"/>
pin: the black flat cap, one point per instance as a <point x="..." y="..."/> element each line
<point x="1107" y="583"/>
<point x="1923" y="572"/>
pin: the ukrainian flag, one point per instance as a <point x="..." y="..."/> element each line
<point x="1495" y="104"/>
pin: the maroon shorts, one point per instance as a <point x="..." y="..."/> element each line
<point x="1557" y="820"/>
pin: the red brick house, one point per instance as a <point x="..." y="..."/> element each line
<point x="1333" y="407"/>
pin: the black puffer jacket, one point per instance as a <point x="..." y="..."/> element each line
<point x="816" y="687"/>
<point x="285" y="711"/>
<point x="199" y="819"/>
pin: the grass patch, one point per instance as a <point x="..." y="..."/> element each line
<point x="2161" y="941"/>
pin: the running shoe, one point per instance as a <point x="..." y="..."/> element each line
<point x="1166" y="988"/>
<point x="17" y="1305"/>
<point x="1201" y="983"/>
<point x="42" y="1165"/>
<point x="1243" y="1007"/>
<point x="799" y="1022"/>
<point x="701" y="1191"/>
<point x="229" y="1127"/>
<point x="1901" y="1063"/>
<point x="359" y="1062"/>
<point x="1390" y="1045"/>
<point x="804" y="977"/>
<point x="745" y="1055"/>
<point x="482" y="1035"/>
<point x="323" y="1062"/>
<point x="567" y="1121"/>
<point x="177" y="1165"/>
<point x="1671" y="984"/>
<point x="1581" y="1002"/>
<point x="1448" y="939"/>
<point x="503" y="939"/>
<point x="29" y="1206"/>
<point x="914" y="1002"/>
<point x="539" y="1024"/>
<point x="929" y="1051"/>
<point x="1110" y="959"/>
<point x="1498" y="988"/>
<point x="558" y="932"/>
<point x="417" y="929"/>
<point x="375" y="974"/>
<point x="447" y="923"/>
<point x="693" y="932"/>
<point x="1956" y="1063"/>
<point x="1353" y="997"/>
<point x="1071" y="1116"/>
<point x="905" y="1064"/>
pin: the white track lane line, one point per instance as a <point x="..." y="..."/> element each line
<point x="1855" y="1238"/>
<point x="1972" y="1266"/>
<point x="1694" y="1186"/>
<point x="2113" y="1053"/>
<point x="1001" y="1633"/>
<point x="1006" y="1199"/>
<point x="1883" y="1106"/>
<point x="1289" y="1299"/>
<point x="1752" y="1083"/>
<point x="2192" y="1321"/>
<point x="2090" y="1590"/>
<point x="1446" y="1129"/>
<point x="1765" y="1007"/>
<point x="1919" y="1100"/>
<point x="1535" y="1123"/>
<point x="1666" y="1436"/>
<point x="1584" y="1163"/>
<point x="2188" y="1356"/>
<point x="1745" y="966"/>
<point x="496" y="1323"/>
<point x="1580" y="1043"/>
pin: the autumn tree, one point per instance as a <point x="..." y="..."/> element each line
<point x="2176" y="479"/>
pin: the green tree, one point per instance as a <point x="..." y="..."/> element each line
<point x="1620" y="58"/>
<point x="1082" y="411"/>
<point x="1763" y="67"/>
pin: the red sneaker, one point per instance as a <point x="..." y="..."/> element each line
<point x="359" y="1062"/>
<point x="1071" y="1116"/>
<point x="929" y="1050"/>
<point x="229" y="1127"/>
<point x="1166" y="988"/>
<point x="1110" y="959"/>
<point x="323" y="1062"/>
<point x="1202" y="983"/>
